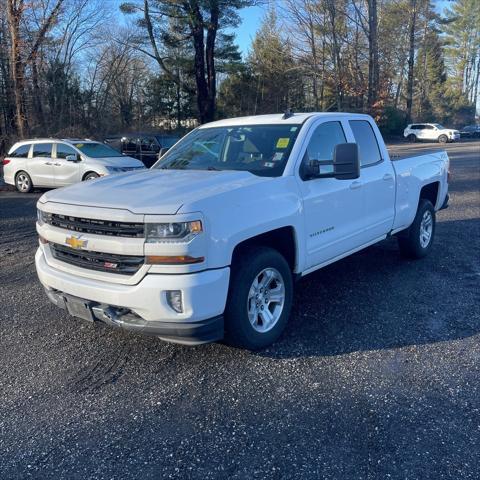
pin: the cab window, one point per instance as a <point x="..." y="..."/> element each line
<point x="365" y="138"/>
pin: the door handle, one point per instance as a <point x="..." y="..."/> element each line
<point x="355" y="185"/>
<point x="387" y="177"/>
<point x="48" y="163"/>
<point x="57" y="164"/>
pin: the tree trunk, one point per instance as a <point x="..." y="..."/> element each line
<point x="37" y="96"/>
<point x="210" y="58"/>
<point x="335" y="54"/>
<point x="199" y="64"/>
<point x="14" y="13"/>
<point x="373" y="73"/>
<point x="411" y="58"/>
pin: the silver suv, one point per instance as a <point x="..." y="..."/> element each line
<point x="60" y="162"/>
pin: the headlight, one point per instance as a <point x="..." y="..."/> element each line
<point x="43" y="217"/>
<point x="180" y="232"/>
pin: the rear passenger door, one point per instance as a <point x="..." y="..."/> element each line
<point x="66" y="171"/>
<point x="378" y="181"/>
<point x="40" y="166"/>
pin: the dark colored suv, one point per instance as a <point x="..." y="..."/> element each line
<point x="146" y="147"/>
<point x="470" y="131"/>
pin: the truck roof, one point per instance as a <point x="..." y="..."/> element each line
<point x="278" y="119"/>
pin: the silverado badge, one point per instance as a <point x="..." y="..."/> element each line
<point x="76" y="242"/>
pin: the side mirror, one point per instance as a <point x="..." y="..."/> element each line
<point x="162" y="152"/>
<point x="72" y="158"/>
<point x="346" y="162"/>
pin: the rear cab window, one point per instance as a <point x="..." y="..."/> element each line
<point x="20" y="152"/>
<point x="365" y="138"/>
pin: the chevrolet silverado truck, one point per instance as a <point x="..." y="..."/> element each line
<point x="207" y="244"/>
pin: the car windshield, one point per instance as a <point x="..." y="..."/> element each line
<point x="440" y="127"/>
<point x="260" y="149"/>
<point x="97" y="150"/>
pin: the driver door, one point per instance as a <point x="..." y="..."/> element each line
<point x="333" y="209"/>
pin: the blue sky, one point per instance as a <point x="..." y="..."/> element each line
<point x="252" y="18"/>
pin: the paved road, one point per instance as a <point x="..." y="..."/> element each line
<point x="376" y="377"/>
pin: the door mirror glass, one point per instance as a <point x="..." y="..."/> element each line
<point x="346" y="162"/>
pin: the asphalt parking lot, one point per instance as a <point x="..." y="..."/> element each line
<point x="376" y="377"/>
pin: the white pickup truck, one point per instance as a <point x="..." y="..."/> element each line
<point x="206" y="245"/>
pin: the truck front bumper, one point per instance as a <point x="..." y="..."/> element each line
<point x="144" y="307"/>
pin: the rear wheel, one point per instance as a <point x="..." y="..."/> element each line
<point x="259" y="299"/>
<point x="412" y="138"/>
<point x="23" y="182"/>
<point x="417" y="240"/>
<point x="442" y="139"/>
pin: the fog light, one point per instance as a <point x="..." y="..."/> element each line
<point x="174" y="300"/>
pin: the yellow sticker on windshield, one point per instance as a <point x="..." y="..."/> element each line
<point x="283" y="142"/>
<point x="79" y="145"/>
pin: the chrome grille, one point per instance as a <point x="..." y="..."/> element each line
<point x="97" y="227"/>
<point x="103" y="262"/>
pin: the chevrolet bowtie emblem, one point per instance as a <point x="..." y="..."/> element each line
<point x="76" y="242"/>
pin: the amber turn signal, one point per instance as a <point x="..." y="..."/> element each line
<point x="173" y="260"/>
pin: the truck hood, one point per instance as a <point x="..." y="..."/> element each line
<point x="152" y="192"/>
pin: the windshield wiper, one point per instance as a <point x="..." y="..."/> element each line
<point x="212" y="168"/>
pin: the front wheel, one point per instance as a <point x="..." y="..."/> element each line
<point x="442" y="139"/>
<point x="91" y="176"/>
<point x="259" y="298"/>
<point x="417" y="240"/>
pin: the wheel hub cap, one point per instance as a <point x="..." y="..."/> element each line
<point x="426" y="228"/>
<point x="266" y="299"/>
<point x="22" y="182"/>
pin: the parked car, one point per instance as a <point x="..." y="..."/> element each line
<point x="60" y="162"/>
<point x="430" y="132"/>
<point x="470" y="131"/>
<point x="206" y="245"/>
<point x="146" y="147"/>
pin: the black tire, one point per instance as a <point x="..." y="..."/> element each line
<point x="23" y="182"/>
<point x="442" y="139"/>
<point x="412" y="138"/>
<point x="248" y="265"/>
<point x="91" y="176"/>
<point x="410" y="242"/>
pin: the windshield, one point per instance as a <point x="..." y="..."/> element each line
<point x="97" y="150"/>
<point x="167" y="142"/>
<point x="440" y="127"/>
<point x="260" y="149"/>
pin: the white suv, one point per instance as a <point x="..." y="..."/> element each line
<point x="430" y="132"/>
<point x="57" y="163"/>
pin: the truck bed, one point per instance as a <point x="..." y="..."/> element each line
<point x="395" y="155"/>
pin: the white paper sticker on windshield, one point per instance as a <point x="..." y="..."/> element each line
<point x="277" y="157"/>
<point x="269" y="164"/>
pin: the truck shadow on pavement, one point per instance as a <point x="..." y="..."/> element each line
<point x="377" y="300"/>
